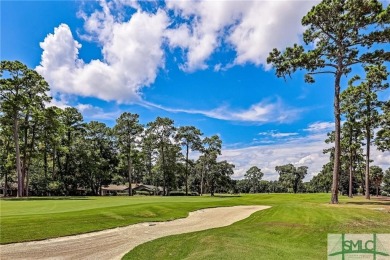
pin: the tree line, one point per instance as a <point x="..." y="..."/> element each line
<point x="53" y="151"/>
<point x="291" y="181"/>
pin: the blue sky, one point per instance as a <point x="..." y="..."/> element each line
<point x="199" y="63"/>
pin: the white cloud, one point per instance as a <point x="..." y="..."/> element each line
<point x="61" y="101"/>
<point x="267" y="25"/>
<point x="132" y="56"/>
<point x="263" y="112"/>
<point x="320" y="127"/>
<point x="203" y="30"/>
<point x="276" y="134"/>
<point x="133" y="48"/>
<point x="252" y="28"/>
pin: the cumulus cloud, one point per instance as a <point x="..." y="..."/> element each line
<point x="266" y="111"/>
<point x="251" y="28"/>
<point x="133" y="44"/>
<point x="132" y="56"/>
<point x="203" y="28"/>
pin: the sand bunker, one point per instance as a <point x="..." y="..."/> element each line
<point x="115" y="243"/>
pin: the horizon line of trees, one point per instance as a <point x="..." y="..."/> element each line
<point x="291" y="181"/>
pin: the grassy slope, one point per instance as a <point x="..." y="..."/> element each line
<point x="296" y="227"/>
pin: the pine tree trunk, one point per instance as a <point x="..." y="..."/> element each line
<point x="350" y="163"/>
<point x="24" y="163"/>
<point x="17" y="154"/>
<point x="6" y="171"/>
<point x="28" y="161"/>
<point x="45" y="166"/>
<point x="54" y="162"/>
<point x="163" y="170"/>
<point x="368" y="137"/>
<point x="5" y="189"/>
<point x="201" y="180"/>
<point x="187" y="171"/>
<point x="336" y="165"/>
<point x="130" y="170"/>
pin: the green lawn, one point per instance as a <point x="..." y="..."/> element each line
<point x="40" y="218"/>
<point x="296" y="226"/>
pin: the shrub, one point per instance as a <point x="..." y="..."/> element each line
<point x="142" y="192"/>
<point x="177" y="193"/>
<point x="384" y="193"/>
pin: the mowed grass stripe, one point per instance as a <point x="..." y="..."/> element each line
<point x="39" y="205"/>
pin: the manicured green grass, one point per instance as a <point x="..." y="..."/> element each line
<point x="296" y="227"/>
<point x="41" y="218"/>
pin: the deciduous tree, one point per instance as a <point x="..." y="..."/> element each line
<point x="291" y="176"/>
<point x="254" y="175"/>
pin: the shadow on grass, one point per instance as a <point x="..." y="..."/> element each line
<point x="225" y="196"/>
<point x="44" y="198"/>
<point x="383" y="203"/>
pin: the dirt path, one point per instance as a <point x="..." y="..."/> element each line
<point x="115" y="243"/>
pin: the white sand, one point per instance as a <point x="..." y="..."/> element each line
<point x="115" y="243"/>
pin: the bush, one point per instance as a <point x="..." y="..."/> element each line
<point x="142" y="192"/>
<point x="384" y="193"/>
<point x="177" y="193"/>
